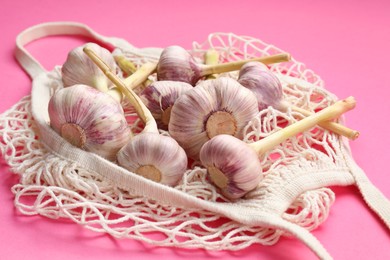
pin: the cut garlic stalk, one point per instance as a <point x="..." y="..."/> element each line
<point x="211" y="57"/>
<point x="125" y="65"/>
<point x="234" y="166"/>
<point x="79" y="69"/>
<point x="160" y="96"/>
<point x="177" y="64"/>
<point x="89" y="119"/>
<point x="213" y="107"/>
<point x="155" y="157"/>
<point x="268" y="90"/>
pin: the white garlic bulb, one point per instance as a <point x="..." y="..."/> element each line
<point x="265" y="85"/>
<point x="155" y="157"/>
<point x="231" y="165"/>
<point x="79" y="69"/>
<point x="234" y="167"/>
<point x="213" y="107"/>
<point x="89" y="119"/>
<point x="176" y="64"/>
<point x="159" y="98"/>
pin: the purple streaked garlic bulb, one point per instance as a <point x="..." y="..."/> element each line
<point x="177" y="64"/>
<point x="159" y="98"/>
<point x="213" y="107"/>
<point x="89" y="119"/>
<point x="268" y="90"/>
<point x="79" y="69"/>
<point x="263" y="83"/>
<point x="153" y="156"/>
<point x="234" y="167"/>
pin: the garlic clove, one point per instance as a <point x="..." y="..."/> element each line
<point x="177" y="64"/>
<point x="231" y="166"/>
<point x="213" y="107"/>
<point x="160" y="96"/>
<point x="155" y="157"/>
<point x="79" y="69"/>
<point x="89" y="119"/>
<point x="263" y="83"/>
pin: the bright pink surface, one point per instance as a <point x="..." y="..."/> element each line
<point x="345" y="42"/>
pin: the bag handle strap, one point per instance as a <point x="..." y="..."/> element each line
<point x="374" y="198"/>
<point x="32" y="66"/>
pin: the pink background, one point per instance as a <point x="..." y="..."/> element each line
<point x="345" y="42"/>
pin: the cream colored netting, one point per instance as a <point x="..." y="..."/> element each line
<point x="55" y="188"/>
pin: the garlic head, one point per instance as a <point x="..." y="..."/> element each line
<point x="232" y="165"/>
<point x="177" y="64"/>
<point x="159" y="98"/>
<point x="265" y="85"/>
<point x="155" y="157"/>
<point x="213" y="107"/>
<point x="89" y="119"/>
<point x="79" y="69"/>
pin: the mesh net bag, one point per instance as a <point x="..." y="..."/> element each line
<point x="292" y="199"/>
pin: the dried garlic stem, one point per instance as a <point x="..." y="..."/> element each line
<point x="141" y="75"/>
<point x="331" y="126"/>
<point x="211" y="57"/>
<point x="326" y="114"/>
<point x="125" y="65"/>
<point x="136" y="78"/>
<point x="236" y="65"/>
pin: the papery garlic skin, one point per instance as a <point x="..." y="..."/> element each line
<point x="176" y="64"/>
<point x="231" y="165"/>
<point x="159" y="98"/>
<point x="192" y="111"/>
<point x="89" y="119"/>
<point x="80" y="69"/>
<point x="265" y="85"/>
<point x="156" y="157"/>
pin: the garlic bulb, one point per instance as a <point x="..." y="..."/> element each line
<point x="150" y="155"/>
<point x="233" y="165"/>
<point x="79" y="69"/>
<point x="89" y="119"/>
<point x="213" y="107"/>
<point x="160" y="96"/>
<point x="177" y="64"/>
<point x="268" y="90"/>
<point x="263" y="83"/>
<point x="155" y="157"/>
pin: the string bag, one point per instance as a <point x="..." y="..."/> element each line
<point x="60" y="181"/>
